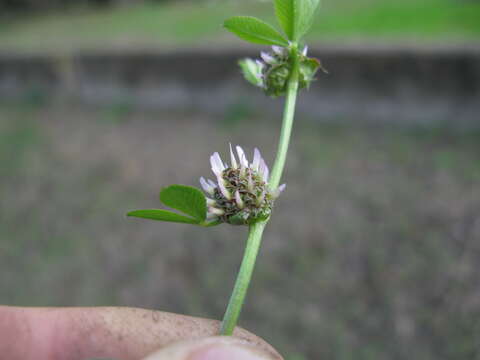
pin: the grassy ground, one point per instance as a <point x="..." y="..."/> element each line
<point x="190" y="23"/>
<point x="373" y="251"/>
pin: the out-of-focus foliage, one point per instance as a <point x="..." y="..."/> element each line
<point x="35" y="5"/>
<point x="29" y="5"/>
<point x="183" y="23"/>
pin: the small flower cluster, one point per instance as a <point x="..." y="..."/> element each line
<point x="241" y="195"/>
<point x="273" y="71"/>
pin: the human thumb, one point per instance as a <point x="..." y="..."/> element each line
<point x="213" y="348"/>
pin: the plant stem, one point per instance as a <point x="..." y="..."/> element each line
<point x="256" y="230"/>
<point x="287" y="123"/>
<point x="243" y="279"/>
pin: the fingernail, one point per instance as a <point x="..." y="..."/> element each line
<point x="226" y="353"/>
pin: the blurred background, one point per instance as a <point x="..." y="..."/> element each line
<point x="374" y="249"/>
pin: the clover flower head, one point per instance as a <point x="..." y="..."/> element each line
<point x="272" y="71"/>
<point x="240" y="195"/>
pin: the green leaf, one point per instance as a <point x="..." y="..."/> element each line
<point x="162" y="215"/>
<point x="284" y="9"/>
<point x="254" y="30"/>
<point x="187" y="199"/>
<point x="296" y="16"/>
<point x="307" y="12"/>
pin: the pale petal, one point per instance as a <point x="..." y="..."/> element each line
<point x="278" y="50"/>
<point x="242" y="157"/>
<point x="276" y="193"/>
<point x="263" y="170"/>
<point x="239" y="200"/>
<point x="260" y="65"/>
<point x="211" y="202"/>
<point x="266" y="172"/>
<point x="305" y="50"/>
<point x="221" y="162"/>
<point x="232" y="156"/>
<point x="206" y="186"/>
<point x="256" y="159"/>
<point x="216" y="211"/>
<point x="224" y="190"/>
<point x="212" y="184"/>
<point x="217" y="164"/>
<point x="269" y="59"/>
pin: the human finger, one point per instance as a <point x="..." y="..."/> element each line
<point x="102" y="332"/>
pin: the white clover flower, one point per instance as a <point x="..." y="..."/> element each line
<point x="240" y="195"/>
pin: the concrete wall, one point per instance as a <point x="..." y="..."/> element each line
<point x="406" y="84"/>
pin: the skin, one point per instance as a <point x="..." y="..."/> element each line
<point x="118" y="333"/>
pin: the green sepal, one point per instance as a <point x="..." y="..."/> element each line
<point x="239" y="219"/>
<point x="307" y="70"/>
<point x="255" y="31"/>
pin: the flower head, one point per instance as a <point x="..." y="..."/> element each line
<point x="240" y="195"/>
<point x="272" y="71"/>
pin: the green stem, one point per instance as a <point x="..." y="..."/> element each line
<point x="287" y="123"/>
<point x="256" y="230"/>
<point x="243" y="279"/>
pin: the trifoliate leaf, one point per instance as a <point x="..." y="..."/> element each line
<point x="255" y="30"/>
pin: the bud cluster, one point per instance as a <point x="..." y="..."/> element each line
<point x="273" y="71"/>
<point x="241" y="195"/>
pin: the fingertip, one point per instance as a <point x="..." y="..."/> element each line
<point x="212" y="348"/>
